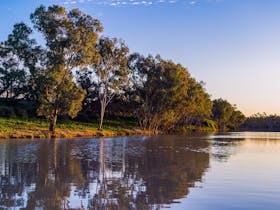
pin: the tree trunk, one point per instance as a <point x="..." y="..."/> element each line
<point x="102" y="112"/>
<point x="53" y="124"/>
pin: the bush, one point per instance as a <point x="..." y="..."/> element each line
<point x="21" y="112"/>
<point x="211" y="124"/>
<point x="6" y="111"/>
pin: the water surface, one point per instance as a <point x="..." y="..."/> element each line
<point x="225" y="171"/>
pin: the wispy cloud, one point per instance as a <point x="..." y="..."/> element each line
<point x="121" y="2"/>
<point x="192" y="2"/>
<point x="116" y="3"/>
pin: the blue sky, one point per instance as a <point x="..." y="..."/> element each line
<point x="232" y="45"/>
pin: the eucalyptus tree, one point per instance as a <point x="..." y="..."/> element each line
<point x="70" y="40"/>
<point x="165" y="93"/>
<point x="236" y="120"/>
<point x="199" y="104"/>
<point x="222" y="111"/>
<point x="12" y="77"/>
<point x="19" y="63"/>
<point x="161" y="87"/>
<point x="110" y="74"/>
<point x="227" y="115"/>
<point x="31" y="57"/>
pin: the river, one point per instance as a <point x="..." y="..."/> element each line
<point x="215" y="171"/>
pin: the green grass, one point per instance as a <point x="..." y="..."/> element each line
<point x="9" y="124"/>
<point x="38" y="128"/>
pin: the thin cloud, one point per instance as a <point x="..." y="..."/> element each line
<point x="117" y="3"/>
<point x="192" y="2"/>
<point x="121" y="2"/>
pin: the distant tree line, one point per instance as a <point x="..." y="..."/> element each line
<point x="77" y="73"/>
<point x="262" y="122"/>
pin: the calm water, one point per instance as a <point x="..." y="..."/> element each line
<point x="230" y="171"/>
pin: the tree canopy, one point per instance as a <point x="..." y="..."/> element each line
<point x="70" y="43"/>
<point x="75" y="71"/>
<point x="227" y="116"/>
<point x="166" y="93"/>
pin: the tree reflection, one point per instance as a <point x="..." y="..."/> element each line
<point x="223" y="148"/>
<point x="169" y="171"/>
<point x="117" y="173"/>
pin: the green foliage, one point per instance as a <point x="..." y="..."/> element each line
<point x="6" y="111"/>
<point x="70" y="43"/>
<point x="12" y="77"/>
<point x="211" y="124"/>
<point x="61" y="96"/>
<point x="236" y="120"/>
<point x="70" y="36"/>
<point x="16" y="107"/>
<point x="160" y="88"/>
<point x="75" y="70"/>
<point x="21" y="60"/>
<point x="262" y="122"/>
<point x="12" y="72"/>
<point x="226" y="115"/>
<point x="109" y="74"/>
<point x="199" y="104"/>
<point x="166" y="93"/>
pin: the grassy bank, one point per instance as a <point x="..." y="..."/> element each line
<point x="36" y="128"/>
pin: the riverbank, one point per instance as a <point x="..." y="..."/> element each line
<point x="37" y="128"/>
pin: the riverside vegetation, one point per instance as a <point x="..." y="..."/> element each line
<point x="35" y="128"/>
<point x="77" y="74"/>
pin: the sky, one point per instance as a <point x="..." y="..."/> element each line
<point x="231" y="45"/>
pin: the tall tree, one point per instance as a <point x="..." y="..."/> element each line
<point x="70" y="39"/>
<point x="110" y="73"/>
<point x="166" y="94"/>
<point x="161" y="87"/>
<point x="12" y="76"/>
<point x="227" y="116"/>
<point x="30" y="55"/>
<point x="222" y="111"/>
<point x="237" y="119"/>
<point x="199" y="104"/>
<point x="19" y="63"/>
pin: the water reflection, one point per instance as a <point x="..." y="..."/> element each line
<point x="223" y="148"/>
<point x="118" y="173"/>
